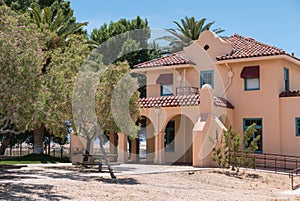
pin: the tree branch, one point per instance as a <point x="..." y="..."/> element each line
<point x="2" y="132"/>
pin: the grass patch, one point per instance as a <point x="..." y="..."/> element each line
<point x="33" y="159"/>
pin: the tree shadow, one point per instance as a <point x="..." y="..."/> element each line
<point x="21" y="191"/>
<point x="253" y="176"/>
<point x="122" y="181"/>
<point x="238" y="175"/>
<point x="75" y="174"/>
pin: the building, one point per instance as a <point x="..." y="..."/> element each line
<point x="216" y="82"/>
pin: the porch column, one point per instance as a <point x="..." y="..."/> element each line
<point x="159" y="157"/>
<point x="122" y="148"/>
<point x="135" y="150"/>
<point x="113" y="144"/>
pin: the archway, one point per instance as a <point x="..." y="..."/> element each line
<point x="179" y="140"/>
<point x="142" y="148"/>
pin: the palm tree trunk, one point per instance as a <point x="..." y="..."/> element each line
<point x="112" y="175"/>
<point x="38" y="140"/>
<point x="5" y="142"/>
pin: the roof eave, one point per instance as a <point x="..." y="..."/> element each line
<point x="260" y="58"/>
<point x="157" y="68"/>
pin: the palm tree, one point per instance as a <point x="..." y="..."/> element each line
<point x="59" y="23"/>
<point x="186" y="32"/>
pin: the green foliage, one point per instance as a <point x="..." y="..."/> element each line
<point x="58" y="22"/>
<point x="114" y="102"/>
<point x="23" y="5"/>
<point x="55" y="96"/>
<point x="228" y="154"/>
<point x="21" y="59"/>
<point x="28" y="97"/>
<point x="188" y="30"/>
<point x="18" y="5"/>
<point x="128" y="40"/>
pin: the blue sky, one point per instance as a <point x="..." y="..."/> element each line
<point x="275" y="22"/>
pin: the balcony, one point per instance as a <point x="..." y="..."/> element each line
<point x="180" y="91"/>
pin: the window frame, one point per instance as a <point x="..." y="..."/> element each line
<point x="162" y="90"/>
<point x="286" y="79"/>
<point x="251" y="89"/>
<point x="256" y="127"/>
<point x="297" y="126"/>
<point x="212" y="79"/>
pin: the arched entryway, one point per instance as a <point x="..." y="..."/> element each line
<point x="142" y="148"/>
<point x="178" y="140"/>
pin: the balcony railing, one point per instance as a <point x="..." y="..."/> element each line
<point x="180" y="91"/>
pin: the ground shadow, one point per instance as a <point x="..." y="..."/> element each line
<point x="237" y="175"/>
<point x="76" y="174"/>
<point x="21" y="191"/>
<point x="125" y="181"/>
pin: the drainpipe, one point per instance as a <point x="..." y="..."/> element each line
<point x="229" y="76"/>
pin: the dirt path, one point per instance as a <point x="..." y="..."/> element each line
<point x="41" y="183"/>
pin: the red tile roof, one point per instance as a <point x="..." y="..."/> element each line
<point x="179" y="101"/>
<point x="248" y="47"/>
<point x="290" y="94"/>
<point x="243" y="47"/>
<point x="171" y="59"/>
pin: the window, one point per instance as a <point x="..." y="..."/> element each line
<point x="166" y="90"/>
<point x="170" y="137"/>
<point x="252" y="84"/>
<point x="286" y="79"/>
<point x="250" y="75"/>
<point x="207" y="77"/>
<point x="166" y="84"/>
<point x="258" y="127"/>
<point x="297" y="126"/>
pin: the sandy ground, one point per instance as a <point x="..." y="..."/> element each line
<point x="69" y="183"/>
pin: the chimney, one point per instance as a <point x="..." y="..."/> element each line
<point x="292" y="53"/>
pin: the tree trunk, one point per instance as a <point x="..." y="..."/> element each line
<point x="87" y="149"/>
<point x="5" y="143"/>
<point x="38" y="140"/>
<point x="112" y="175"/>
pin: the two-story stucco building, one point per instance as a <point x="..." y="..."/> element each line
<point x="216" y="82"/>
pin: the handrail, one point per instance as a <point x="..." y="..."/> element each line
<point x="186" y="91"/>
<point x="277" y="162"/>
<point x="293" y="173"/>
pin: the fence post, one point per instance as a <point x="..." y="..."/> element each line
<point x="284" y="162"/>
<point x="275" y="165"/>
<point x="61" y="152"/>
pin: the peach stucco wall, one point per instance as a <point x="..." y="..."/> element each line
<point x="289" y="110"/>
<point x="262" y="103"/>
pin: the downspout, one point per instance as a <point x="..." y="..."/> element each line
<point x="229" y="76"/>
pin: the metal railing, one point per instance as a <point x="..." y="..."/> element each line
<point x="55" y="152"/>
<point x="180" y="91"/>
<point x="276" y="162"/>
